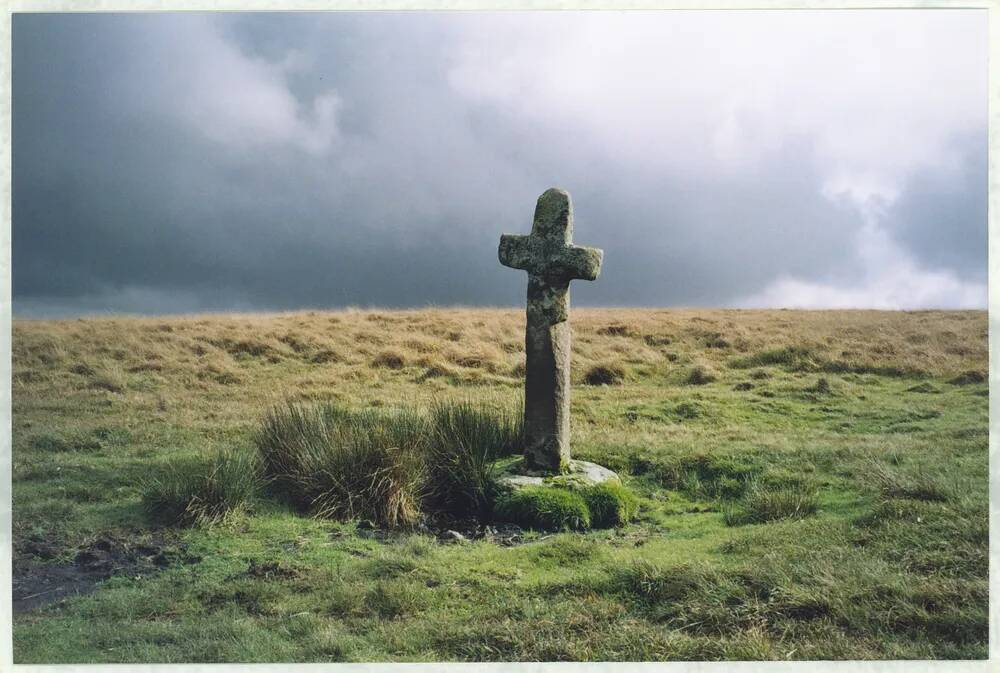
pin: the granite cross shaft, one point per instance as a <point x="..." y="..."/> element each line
<point x="552" y="261"/>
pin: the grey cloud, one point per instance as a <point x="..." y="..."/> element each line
<point x="121" y="204"/>
<point x="941" y="217"/>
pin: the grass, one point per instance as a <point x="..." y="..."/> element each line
<point x="389" y="467"/>
<point x="915" y="484"/>
<point x="760" y="503"/>
<point x="203" y="491"/>
<point x="604" y="375"/>
<point x="466" y="441"/>
<point x="704" y="475"/>
<point x="890" y="564"/>
<point x="344" y="464"/>
<point x="700" y="375"/>
<point x="794" y="357"/>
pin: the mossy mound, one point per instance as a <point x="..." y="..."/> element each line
<point x="610" y="504"/>
<point x="559" y="508"/>
<point x="544" y="508"/>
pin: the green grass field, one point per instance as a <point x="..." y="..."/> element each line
<point x="812" y="485"/>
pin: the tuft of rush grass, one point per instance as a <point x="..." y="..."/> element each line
<point x="604" y="375"/>
<point x="467" y="438"/>
<point x="388" y="466"/>
<point x="347" y="464"/>
<point x="203" y="491"/>
<point x="915" y="484"/>
<point x="704" y="475"/>
<point x="700" y="375"/>
<point x="762" y="502"/>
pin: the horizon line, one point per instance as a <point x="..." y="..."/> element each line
<point x="115" y="315"/>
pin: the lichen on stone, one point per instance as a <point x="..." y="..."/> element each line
<point x="552" y="261"/>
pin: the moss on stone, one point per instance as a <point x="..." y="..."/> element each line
<point x="544" y="508"/>
<point x="554" y="507"/>
<point x="610" y="504"/>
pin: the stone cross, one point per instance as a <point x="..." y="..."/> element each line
<point x="552" y="261"/>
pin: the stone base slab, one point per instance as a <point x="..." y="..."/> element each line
<point x="580" y="473"/>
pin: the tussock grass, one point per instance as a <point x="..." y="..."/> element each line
<point x="657" y="584"/>
<point x="203" y="491"/>
<point x="604" y="375"/>
<point x="108" y="376"/>
<point x="917" y="484"/>
<point x="111" y="381"/>
<point x="220" y="374"/>
<point x="687" y="410"/>
<point x="822" y="387"/>
<point x="700" y="375"/>
<point x="566" y="550"/>
<point x="388" y="466"/>
<point x="389" y="360"/>
<point x="483" y="357"/>
<point x="617" y="330"/>
<point x="249" y="347"/>
<point x="761" y="502"/>
<point x="703" y="475"/>
<point x="436" y="371"/>
<point x="101" y="438"/>
<point x="795" y="358"/>
<point x="966" y="378"/>
<point x="467" y="438"/>
<point x="323" y="356"/>
<point x="716" y="340"/>
<point x="83" y="369"/>
<point x="395" y="599"/>
<point x="347" y="464"/>
<point x="657" y="340"/>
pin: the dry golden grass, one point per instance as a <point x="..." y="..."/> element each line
<point x="937" y="342"/>
<point x="329" y="355"/>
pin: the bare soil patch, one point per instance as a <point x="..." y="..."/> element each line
<point x="38" y="581"/>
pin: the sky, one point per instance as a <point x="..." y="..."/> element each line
<point x="173" y="163"/>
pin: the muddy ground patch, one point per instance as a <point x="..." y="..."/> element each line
<point x="42" y="577"/>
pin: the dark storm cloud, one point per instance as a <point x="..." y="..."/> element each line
<point x="941" y="217"/>
<point x="187" y="162"/>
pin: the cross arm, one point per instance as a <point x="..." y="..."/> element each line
<point x="517" y="252"/>
<point x="566" y="262"/>
<point x="577" y="261"/>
